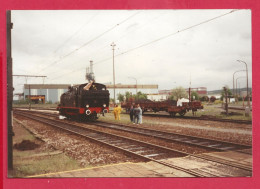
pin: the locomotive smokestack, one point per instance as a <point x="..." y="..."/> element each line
<point x="91" y="66"/>
<point x="90" y="73"/>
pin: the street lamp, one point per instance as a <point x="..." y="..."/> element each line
<point x="135" y="83"/>
<point x="113" y="48"/>
<point x="234" y="80"/>
<point x="248" y="103"/>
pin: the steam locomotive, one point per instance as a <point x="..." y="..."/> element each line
<point x="85" y="101"/>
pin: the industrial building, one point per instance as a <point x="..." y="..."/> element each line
<point x="43" y="93"/>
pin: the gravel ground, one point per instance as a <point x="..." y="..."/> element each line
<point x="230" y="132"/>
<point x="85" y="152"/>
<point x="91" y="154"/>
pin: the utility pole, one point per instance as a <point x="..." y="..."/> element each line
<point x="29" y="97"/>
<point x="248" y="98"/>
<point x="226" y="97"/>
<point x="236" y="84"/>
<point x="234" y="80"/>
<point x="113" y="48"/>
<point x="9" y="27"/>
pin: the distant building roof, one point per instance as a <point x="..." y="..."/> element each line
<point x="46" y="86"/>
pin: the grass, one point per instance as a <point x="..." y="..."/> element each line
<point x="39" y="160"/>
<point x="217" y="111"/>
<point x="25" y="165"/>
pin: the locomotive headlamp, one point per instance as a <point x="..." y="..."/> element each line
<point x="88" y="112"/>
<point x="104" y="105"/>
<point x="87" y="106"/>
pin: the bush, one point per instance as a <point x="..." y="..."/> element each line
<point x="212" y="99"/>
<point x="217" y="102"/>
<point x="204" y="98"/>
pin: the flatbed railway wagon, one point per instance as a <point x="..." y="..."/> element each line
<point x="148" y="105"/>
<point x="194" y="106"/>
<point x="169" y="106"/>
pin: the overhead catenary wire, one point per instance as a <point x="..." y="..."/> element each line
<point x="90" y="41"/>
<point x="154" y="41"/>
<point x="166" y="36"/>
<point x="125" y="34"/>
<point x="67" y="40"/>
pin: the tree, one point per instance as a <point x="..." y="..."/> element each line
<point x="120" y="97"/>
<point x="229" y="93"/>
<point x="178" y="93"/>
<point x="128" y="95"/>
<point x="140" y="96"/>
<point x="194" y="95"/>
<point x="204" y="98"/>
<point x="112" y="100"/>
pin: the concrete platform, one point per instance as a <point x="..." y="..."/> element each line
<point x="152" y="169"/>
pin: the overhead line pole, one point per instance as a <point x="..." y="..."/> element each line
<point x="113" y="48"/>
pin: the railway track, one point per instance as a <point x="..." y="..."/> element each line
<point x="208" y="144"/>
<point x="205" y="143"/>
<point x="141" y="149"/>
<point x="207" y="118"/>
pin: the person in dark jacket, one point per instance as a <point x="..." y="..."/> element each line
<point x="136" y="114"/>
<point x="132" y="114"/>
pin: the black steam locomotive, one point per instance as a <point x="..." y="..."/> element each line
<point x="85" y="101"/>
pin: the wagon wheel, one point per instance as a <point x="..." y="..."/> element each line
<point x="182" y="113"/>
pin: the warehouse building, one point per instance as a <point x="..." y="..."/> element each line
<point x="45" y="93"/>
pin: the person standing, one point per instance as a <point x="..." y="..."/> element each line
<point x="140" y="119"/>
<point x="136" y="115"/>
<point x="115" y="112"/>
<point x="139" y="114"/>
<point x="132" y="114"/>
<point x="119" y="109"/>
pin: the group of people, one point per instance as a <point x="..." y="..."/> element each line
<point x="136" y="114"/>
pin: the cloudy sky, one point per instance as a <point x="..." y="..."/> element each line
<point x="166" y="47"/>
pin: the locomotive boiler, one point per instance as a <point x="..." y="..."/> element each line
<point x="85" y="101"/>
